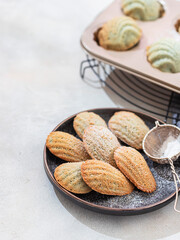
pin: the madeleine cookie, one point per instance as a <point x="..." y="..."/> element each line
<point x="86" y="119"/>
<point x="129" y="128"/>
<point x="132" y="164"/>
<point x="145" y="10"/>
<point x="177" y="26"/>
<point x="68" y="175"/>
<point x="120" y="34"/>
<point x="165" y="55"/>
<point x="104" y="178"/>
<point x="100" y="143"/>
<point x="66" y="147"/>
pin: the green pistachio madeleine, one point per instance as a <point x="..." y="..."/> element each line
<point x="119" y="34"/>
<point x="145" y="10"/>
<point x="165" y="55"/>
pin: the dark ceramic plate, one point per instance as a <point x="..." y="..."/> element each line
<point x="135" y="203"/>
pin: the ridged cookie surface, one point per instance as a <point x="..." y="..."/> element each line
<point x="66" y="147"/>
<point x="146" y="10"/>
<point x="86" y="119"/>
<point x="120" y="34"/>
<point x="68" y="175"/>
<point x="100" y="143"/>
<point x="132" y="164"/>
<point x="129" y="128"/>
<point x="105" y="179"/>
<point x="165" y="55"/>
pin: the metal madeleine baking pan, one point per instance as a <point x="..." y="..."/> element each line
<point x="134" y="60"/>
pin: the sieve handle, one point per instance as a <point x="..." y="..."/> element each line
<point x="176" y="180"/>
<point x="158" y="124"/>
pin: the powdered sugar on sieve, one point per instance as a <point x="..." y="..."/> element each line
<point x="170" y="147"/>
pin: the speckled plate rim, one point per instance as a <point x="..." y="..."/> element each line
<point x="95" y="207"/>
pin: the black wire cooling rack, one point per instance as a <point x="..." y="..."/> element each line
<point x="142" y="94"/>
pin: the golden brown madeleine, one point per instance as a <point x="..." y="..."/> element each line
<point x="68" y="175"/>
<point x="66" y="147"/>
<point x="105" y="179"/>
<point x="119" y="34"/>
<point x="100" y="143"/>
<point x="134" y="167"/>
<point x="129" y="128"/>
<point x="86" y="119"/>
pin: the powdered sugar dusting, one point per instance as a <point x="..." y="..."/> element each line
<point x="170" y="147"/>
<point x="137" y="199"/>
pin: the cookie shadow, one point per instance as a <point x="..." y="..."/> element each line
<point x="126" y="227"/>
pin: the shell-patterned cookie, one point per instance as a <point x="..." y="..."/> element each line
<point x="86" y="119"/>
<point x="105" y="179"/>
<point x="68" y="175"/>
<point x="132" y="164"/>
<point x="66" y="147"/>
<point x="145" y="10"/>
<point x="100" y="143"/>
<point x="129" y="128"/>
<point x="165" y="55"/>
<point x="119" y="34"/>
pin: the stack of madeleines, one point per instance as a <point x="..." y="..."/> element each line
<point x="99" y="162"/>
